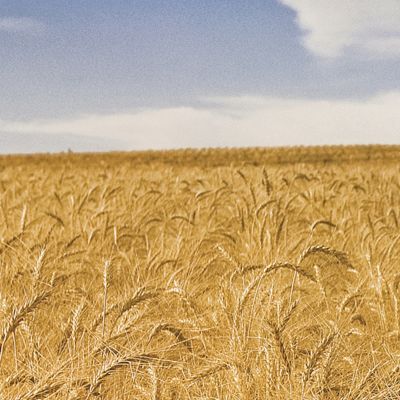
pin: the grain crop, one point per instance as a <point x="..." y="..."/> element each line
<point x="209" y="274"/>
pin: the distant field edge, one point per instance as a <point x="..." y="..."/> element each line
<point x="222" y="156"/>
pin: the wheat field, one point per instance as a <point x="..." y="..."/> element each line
<point x="215" y="274"/>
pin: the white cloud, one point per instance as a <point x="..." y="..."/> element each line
<point x="21" y="25"/>
<point x="234" y="121"/>
<point x="331" y="26"/>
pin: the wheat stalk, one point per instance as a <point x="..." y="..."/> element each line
<point x="110" y="367"/>
<point x="180" y="337"/>
<point x="18" y="315"/>
<point x="277" y="333"/>
<point x="320" y="249"/>
<point x="106" y="267"/>
<point x="315" y="357"/>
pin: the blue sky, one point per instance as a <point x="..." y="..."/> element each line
<point x="98" y="75"/>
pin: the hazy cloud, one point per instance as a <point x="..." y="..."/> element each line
<point x="21" y="25"/>
<point x="331" y="26"/>
<point x="230" y="121"/>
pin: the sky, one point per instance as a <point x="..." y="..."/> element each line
<point x="131" y="75"/>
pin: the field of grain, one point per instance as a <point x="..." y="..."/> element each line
<point x="243" y="274"/>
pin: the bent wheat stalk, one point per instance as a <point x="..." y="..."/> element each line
<point x="320" y="249"/>
<point x="112" y="366"/>
<point x="18" y="315"/>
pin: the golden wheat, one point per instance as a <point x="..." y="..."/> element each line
<point x="214" y="274"/>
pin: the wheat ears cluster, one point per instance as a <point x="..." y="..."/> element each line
<point x="220" y="277"/>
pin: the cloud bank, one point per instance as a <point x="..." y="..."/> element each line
<point x="331" y="26"/>
<point x="21" y="25"/>
<point x="226" y="121"/>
